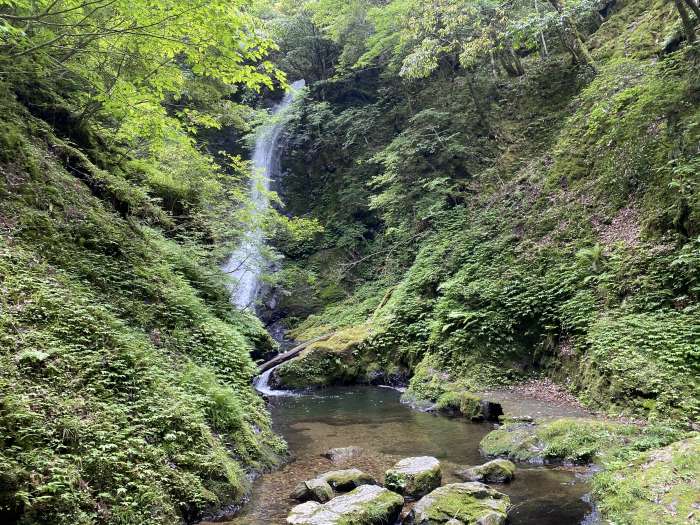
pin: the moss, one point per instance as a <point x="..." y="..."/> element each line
<point x="337" y="360"/>
<point x="496" y="471"/>
<point x="517" y="442"/>
<point x="639" y="28"/>
<point x="562" y="440"/>
<point x="660" y="486"/>
<point x="462" y="403"/>
<point x="578" y="441"/>
<point x="414" y="477"/>
<point x="429" y="381"/>
<point x="466" y="502"/>
<point x="125" y="374"/>
<point x="344" y="480"/>
<point x="382" y="509"/>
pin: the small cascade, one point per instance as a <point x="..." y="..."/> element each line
<point x="262" y="385"/>
<point x="246" y="264"/>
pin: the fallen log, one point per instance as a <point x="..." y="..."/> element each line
<point x="286" y="356"/>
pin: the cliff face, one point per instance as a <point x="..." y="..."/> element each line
<point x="499" y="228"/>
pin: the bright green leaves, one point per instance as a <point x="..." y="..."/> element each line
<point x="131" y="57"/>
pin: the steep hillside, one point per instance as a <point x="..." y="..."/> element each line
<point x="483" y="230"/>
<point x="125" y="378"/>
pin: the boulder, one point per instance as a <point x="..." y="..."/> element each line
<point x="465" y="404"/>
<point x="496" y="471"/>
<point x="366" y="505"/>
<point x="345" y="480"/>
<point x="317" y="489"/>
<point x="332" y="361"/>
<point x="467" y="503"/>
<point x="321" y="489"/>
<point x="414" y="477"/>
<point x="338" y="455"/>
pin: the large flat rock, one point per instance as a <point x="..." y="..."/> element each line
<point x="366" y="505"/>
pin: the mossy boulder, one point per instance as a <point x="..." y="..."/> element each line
<point x="465" y="404"/>
<point x="414" y="477"/>
<point x="366" y="505"/>
<point x="334" y="361"/>
<point x="496" y="471"/>
<point x="567" y="440"/>
<point x="322" y="488"/>
<point x="433" y="389"/>
<point x="465" y="503"/>
<point x="317" y="489"/>
<point x="345" y="480"/>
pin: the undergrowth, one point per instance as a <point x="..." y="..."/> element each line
<point x="125" y="391"/>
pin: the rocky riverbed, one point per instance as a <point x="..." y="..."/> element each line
<point x="383" y="432"/>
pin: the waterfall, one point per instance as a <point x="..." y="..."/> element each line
<point x="245" y="265"/>
<point x="262" y="385"/>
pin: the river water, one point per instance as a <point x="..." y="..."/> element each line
<point x="373" y="418"/>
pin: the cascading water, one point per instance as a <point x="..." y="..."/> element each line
<point x="245" y="265"/>
<point x="262" y="385"/>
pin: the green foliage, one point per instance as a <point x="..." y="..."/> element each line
<point x="125" y="380"/>
<point x="130" y="58"/>
<point x="658" y="486"/>
<point x="513" y="227"/>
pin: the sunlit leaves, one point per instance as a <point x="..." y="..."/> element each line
<point x="133" y="55"/>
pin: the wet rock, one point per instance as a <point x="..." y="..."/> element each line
<point x="317" y="489"/>
<point x="366" y="505"/>
<point x="465" y="503"/>
<point x="496" y="471"/>
<point x="345" y="480"/>
<point x="321" y="489"/>
<point x="516" y="419"/>
<point x="491" y="410"/>
<point x="414" y="477"/>
<point x="465" y="404"/>
<point x="338" y="455"/>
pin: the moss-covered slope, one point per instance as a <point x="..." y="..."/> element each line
<point x="544" y="224"/>
<point x="125" y="375"/>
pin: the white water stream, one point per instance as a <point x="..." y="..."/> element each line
<point x="262" y="385"/>
<point x="245" y="265"/>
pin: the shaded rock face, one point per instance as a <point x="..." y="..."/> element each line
<point x="465" y="503"/>
<point x="490" y="410"/>
<point x="338" y="455"/>
<point x="366" y="505"/>
<point x="496" y="471"/>
<point x="414" y="477"/>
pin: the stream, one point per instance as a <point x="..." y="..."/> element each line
<point x="374" y="419"/>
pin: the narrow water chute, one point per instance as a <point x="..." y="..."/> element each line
<point x="245" y="265"/>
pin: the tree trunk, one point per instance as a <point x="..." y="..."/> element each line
<point x="511" y="62"/>
<point x="571" y="37"/>
<point x="543" y="48"/>
<point x="688" y="25"/>
<point x="695" y="8"/>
